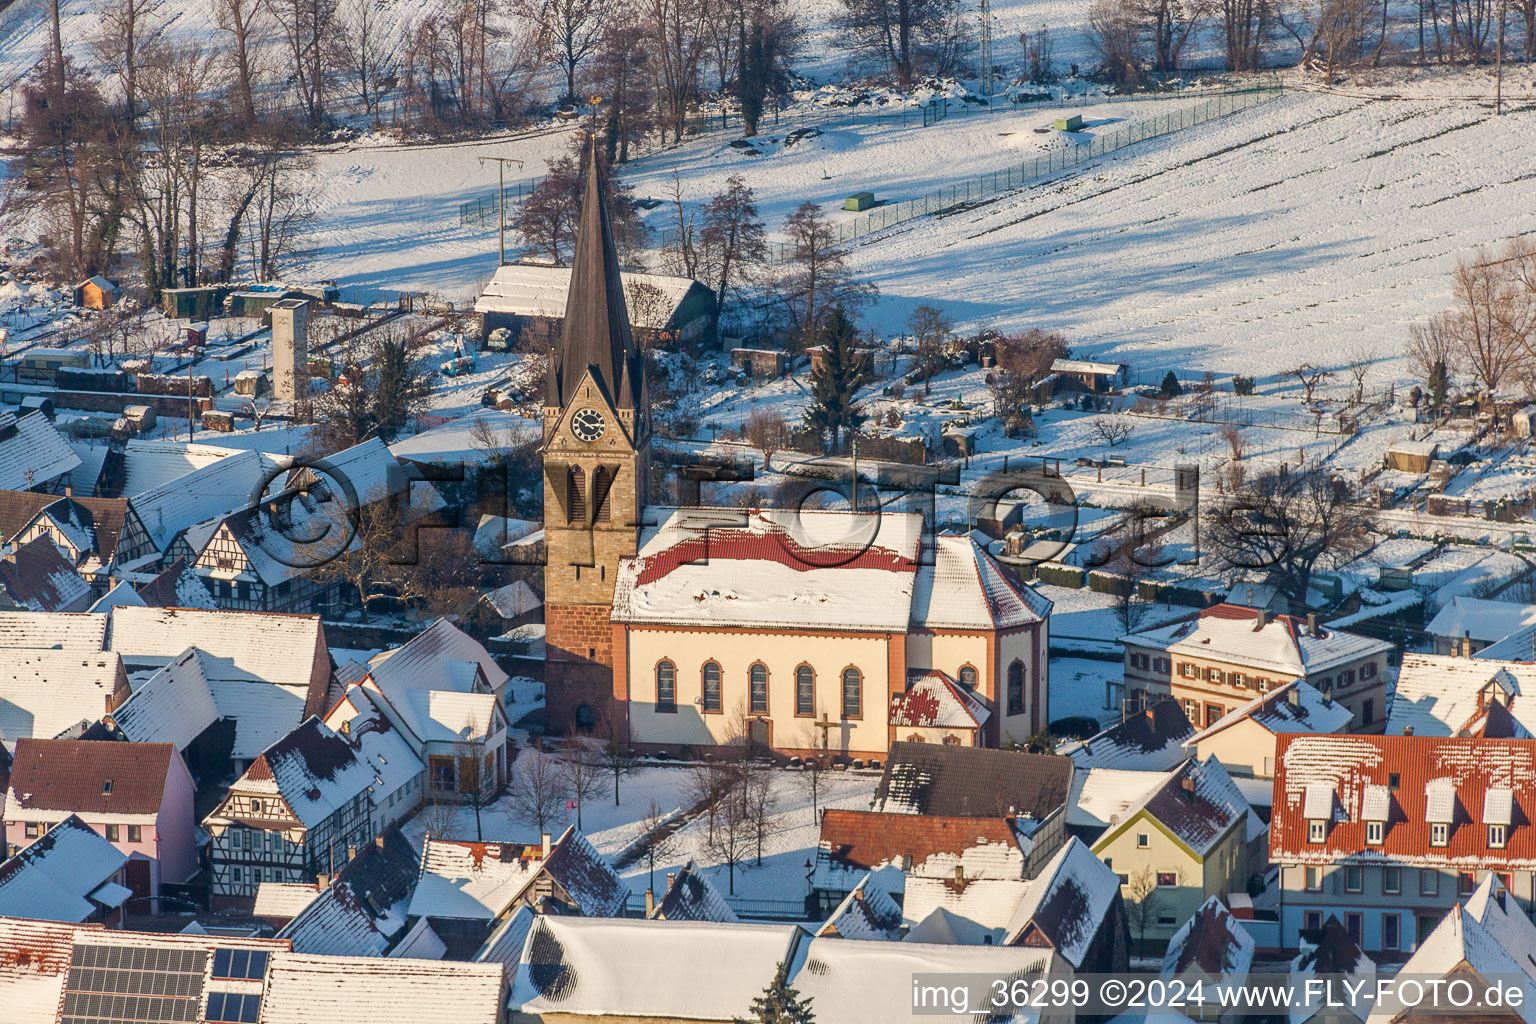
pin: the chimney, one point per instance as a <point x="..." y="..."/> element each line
<point x="1407" y="730"/>
<point x="1293" y="696"/>
<point x="1311" y="623"/>
<point x="1262" y="618"/>
<point x="671" y="878"/>
<point x="69" y="490"/>
<point x="959" y="875"/>
<point x="1188" y="785"/>
<point x="544" y="841"/>
<point x="650" y="903"/>
<point x="323" y="880"/>
<point x="378" y="840"/>
<point x="351" y="854"/>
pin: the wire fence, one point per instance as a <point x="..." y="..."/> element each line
<point x="482" y="211"/>
<point x="986" y="185"/>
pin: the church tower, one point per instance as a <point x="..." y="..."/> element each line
<point x="597" y="444"/>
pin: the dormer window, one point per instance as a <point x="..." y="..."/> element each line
<point x="1317" y="808"/>
<point x="1375" y="808"/>
<point x="1440" y="810"/>
<point x="1439" y="834"/>
<point x="1317" y="830"/>
<point x="1375" y="833"/>
<point x="1498" y="814"/>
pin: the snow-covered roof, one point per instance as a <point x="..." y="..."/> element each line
<point x="46" y="693"/>
<point x="871" y="982"/>
<point x="207" y="492"/>
<point x="70" y="631"/>
<point x="1280" y="645"/>
<point x="472" y="881"/>
<point x="1489" y="934"/>
<point x="853" y="843"/>
<point x="314" y="771"/>
<point x="236" y="645"/>
<point x="669" y="970"/>
<point x="1199" y="803"/>
<point x="1439" y="695"/>
<point x="1330" y="951"/>
<point x="460" y="442"/>
<point x="122" y="593"/>
<point x="435" y="659"/>
<point x="772" y="567"/>
<point x="53" y="878"/>
<point x="151" y="464"/>
<point x="420" y="942"/>
<point x="37" y="577"/>
<point x="1295" y="707"/>
<point x="359" y="717"/>
<point x="514" y="599"/>
<point x="493" y="533"/>
<point x="177" y="586"/>
<point x="1102" y="796"/>
<point x="32" y="452"/>
<point x="1065" y="903"/>
<point x="1151" y="740"/>
<point x="867" y="913"/>
<point x="1430" y="778"/>
<point x="587" y="881"/>
<point x="939" y="779"/>
<point x="283" y="899"/>
<point x="1211" y="945"/>
<point x="173" y="706"/>
<point x="505" y="943"/>
<point x="965" y="588"/>
<point x="34" y="961"/>
<point x="316" y="989"/>
<point x="690" y="896"/>
<point x="933" y="700"/>
<point x="532" y="289"/>
<point x="263" y="713"/>
<point x="1085" y="366"/>
<point x="969" y="912"/>
<point x="1483" y="620"/>
<point x="362" y="912"/>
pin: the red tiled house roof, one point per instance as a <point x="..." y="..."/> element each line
<point x="73" y="775"/>
<point x="868" y="839"/>
<point x="1470" y="781"/>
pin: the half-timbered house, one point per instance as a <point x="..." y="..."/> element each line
<point x="97" y="536"/>
<point x="298" y="814"/>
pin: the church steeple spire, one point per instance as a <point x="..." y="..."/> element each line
<point x="596" y="331"/>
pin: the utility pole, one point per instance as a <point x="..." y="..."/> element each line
<point x="986" y="49"/>
<point x="1498" y="89"/>
<point x="501" y="200"/>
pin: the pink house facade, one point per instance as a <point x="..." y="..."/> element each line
<point x="138" y="796"/>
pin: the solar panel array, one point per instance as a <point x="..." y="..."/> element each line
<point x="116" y="984"/>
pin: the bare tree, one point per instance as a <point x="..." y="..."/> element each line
<point x="1022" y="359"/>
<point x="818" y="279"/>
<point x="660" y="839"/>
<point x="1290" y="523"/>
<point x="1309" y="377"/>
<point x="1359" y="363"/>
<point x="931" y="328"/>
<point x="257" y="409"/>
<point x="767" y="431"/>
<point x="1431" y="354"/>
<point x="1246" y="27"/>
<point x="1037" y="55"/>
<point x="735" y="829"/>
<point x="678" y="42"/>
<point x="476" y="779"/>
<point x="575" y="28"/>
<point x="308" y="28"/>
<point x="1143" y="903"/>
<point x="245" y="21"/>
<point x="125" y="28"/>
<point x="1169" y="25"/>
<point x="909" y="37"/>
<point x="1114" y="428"/>
<point x="366" y="52"/>
<point x="538" y="789"/>
<point x="615" y="754"/>
<point x="731" y="237"/>
<point x="814" y="768"/>
<point x="583" y="771"/>
<point x="1115" y="35"/>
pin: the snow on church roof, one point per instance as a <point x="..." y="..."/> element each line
<point x="529" y="289"/>
<point x="771" y="567"/>
<point x="933" y="700"/>
<point x="965" y="588"/>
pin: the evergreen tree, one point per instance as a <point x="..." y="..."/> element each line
<point x="779" y="1004"/>
<point x="837" y="380"/>
<point x="401" y="385"/>
<point x="1171" y="386"/>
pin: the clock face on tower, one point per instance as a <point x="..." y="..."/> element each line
<point x="588" y="425"/>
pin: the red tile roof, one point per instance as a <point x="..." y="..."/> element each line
<point x="72" y="775"/>
<point x="868" y="839"/>
<point x="1346" y="765"/>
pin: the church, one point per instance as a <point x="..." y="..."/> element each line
<point x="810" y="631"/>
